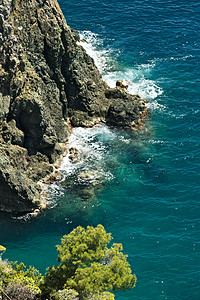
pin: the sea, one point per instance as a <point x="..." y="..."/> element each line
<point x="144" y="186"/>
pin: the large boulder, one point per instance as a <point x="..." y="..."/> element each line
<point x="125" y="110"/>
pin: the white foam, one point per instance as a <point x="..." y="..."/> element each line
<point x="172" y="58"/>
<point x="156" y="106"/>
<point x="93" y="45"/>
<point x="156" y="141"/>
<point x="92" y="158"/>
<point x="137" y="76"/>
<point x="92" y="150"/>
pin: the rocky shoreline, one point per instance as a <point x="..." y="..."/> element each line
<point x="48" y="84"/>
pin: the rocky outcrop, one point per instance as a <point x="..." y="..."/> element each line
<point x="47" y="84"/>
<point x="125" y="110"/>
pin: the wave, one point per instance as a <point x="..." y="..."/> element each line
<point x="88" y="143"/>
<point x="94" y="47"/>
<point x="90" y="168"/>
<point x="135" y="76"/>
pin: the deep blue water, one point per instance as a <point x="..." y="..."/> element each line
<point x="150" y="181"/>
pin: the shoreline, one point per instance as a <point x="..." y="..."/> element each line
<point x="49" y="84"/>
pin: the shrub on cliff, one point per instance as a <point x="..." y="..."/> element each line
<point x="88" y="267"/>
<point x="16" y="281"/>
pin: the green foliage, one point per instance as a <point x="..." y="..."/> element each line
<point x="83" y="246"/>
<point x="88" y="270"/>
<point x="18" y="282"/>
<point x="2" y="250"/>
<point x="88" y="266"/>
<point x="67" y="294"/>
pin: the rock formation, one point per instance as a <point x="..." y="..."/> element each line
<point x="48" y="83"/>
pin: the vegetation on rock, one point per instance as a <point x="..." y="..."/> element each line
<point x="18" y="282"/>
<point x="88" y="270"/>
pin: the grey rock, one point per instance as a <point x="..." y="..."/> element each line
<point x="48" y="83"/>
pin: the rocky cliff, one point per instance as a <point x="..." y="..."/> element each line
<point x="47" y="84"/>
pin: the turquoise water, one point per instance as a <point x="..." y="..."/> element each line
<point x="149" y="182"/>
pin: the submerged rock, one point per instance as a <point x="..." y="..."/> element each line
<point x="90" y="177"/>
<point x="47" y="83"/>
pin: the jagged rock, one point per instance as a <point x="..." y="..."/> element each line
<point x="47" y="83"/>
<point x="18" y="192"/>
<point x="119" y="83"/>
<point x="74" y="154"/>
<point x="11" y="134"/>
<point x="125" y="110"/>
<point x="56" y="176"/>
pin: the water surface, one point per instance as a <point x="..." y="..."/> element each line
<point x="149" y="183"/>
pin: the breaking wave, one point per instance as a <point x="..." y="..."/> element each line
<point x="136" y="76"/>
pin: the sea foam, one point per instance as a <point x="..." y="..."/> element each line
<point x="92" y="152"/>
<point x="136" y="76"/>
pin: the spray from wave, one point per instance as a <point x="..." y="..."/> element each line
<point x="136" y="76"/>
<point x="83" y="175"/>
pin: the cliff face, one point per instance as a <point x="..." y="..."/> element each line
<point x="47" y="82"/>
